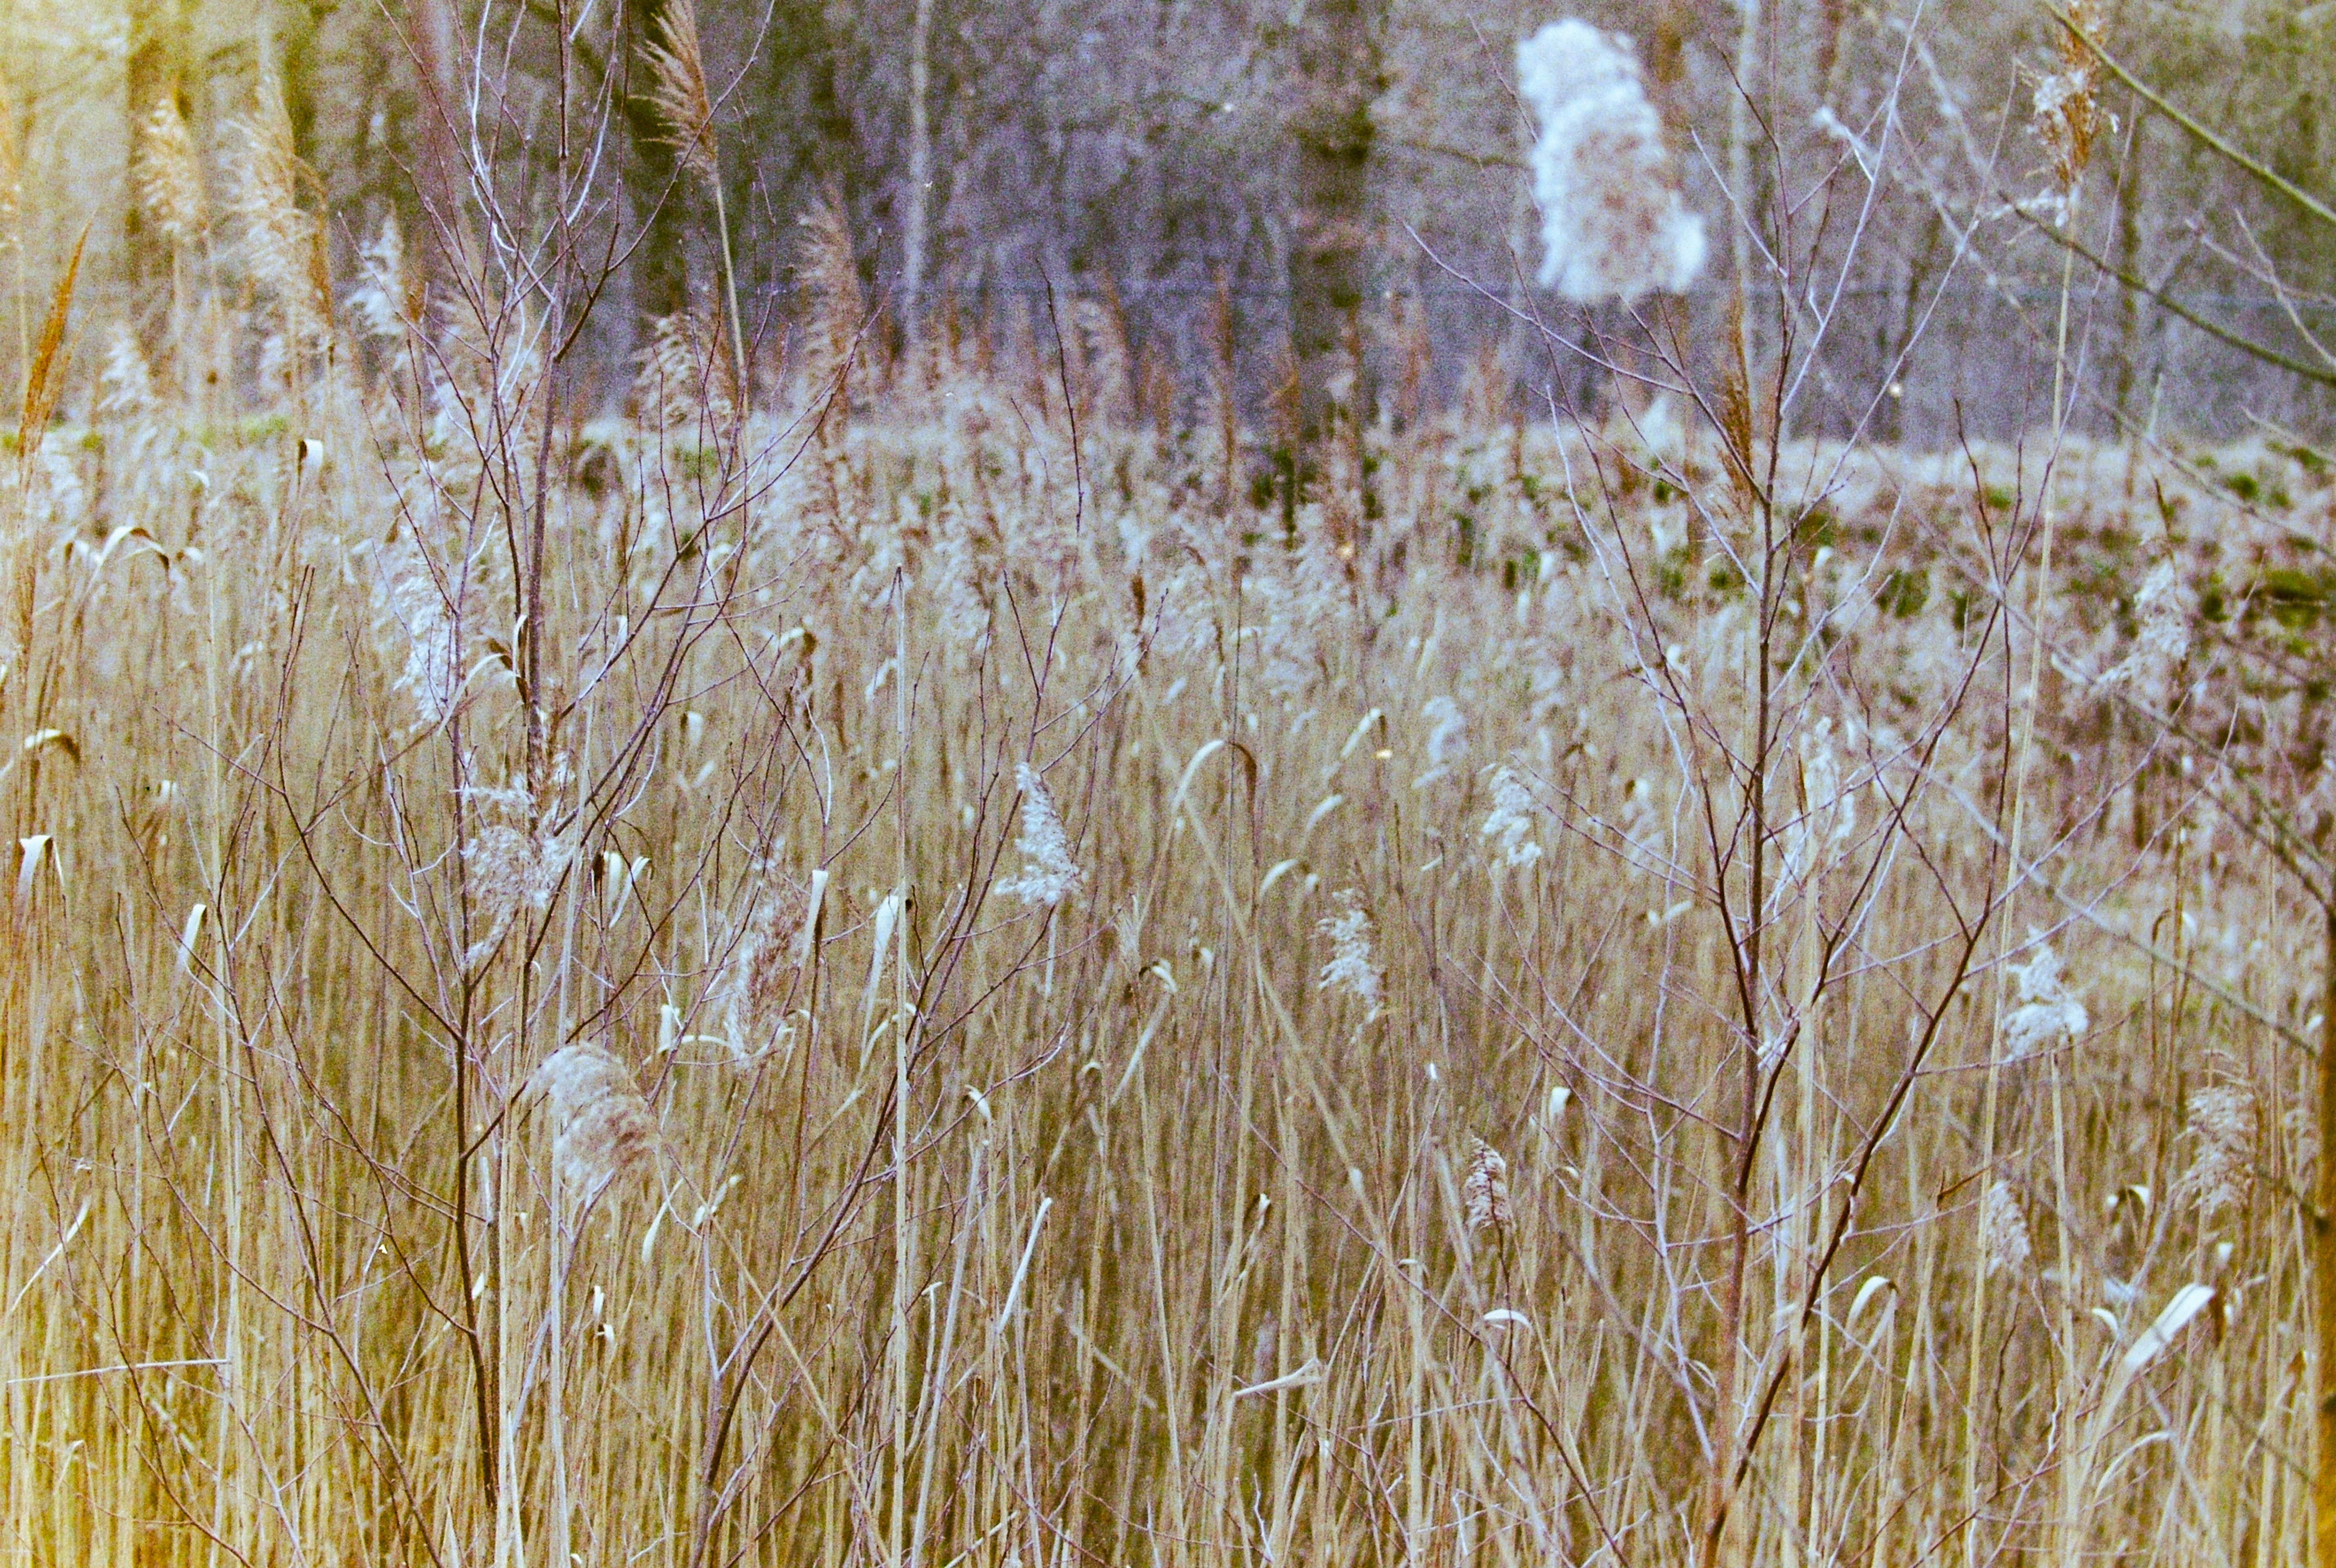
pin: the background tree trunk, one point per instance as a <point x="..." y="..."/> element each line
<point x="443" y="183"/>
<point x="154" y="71"/>
<point x="797" y="131"/>
<point x="921" y="168"/>
<point x="659" y="191"/>
<point x="1338" y="77"/>
<point x="296" y="61"/>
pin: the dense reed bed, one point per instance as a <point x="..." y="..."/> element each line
<point x="942" y="969"/>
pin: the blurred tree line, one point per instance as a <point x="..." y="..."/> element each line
<point x="1327" y="175"/>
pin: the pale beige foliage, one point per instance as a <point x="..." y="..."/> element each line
<point x="170" y="175"/>
<point x="677" y="88"/>
<point x="601" y="1125"/>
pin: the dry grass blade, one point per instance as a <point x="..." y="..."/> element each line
<point x="12" y="162"/>
<point x="46" y="377"/>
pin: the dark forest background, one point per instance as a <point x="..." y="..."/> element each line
<point x="1300" y="177"/>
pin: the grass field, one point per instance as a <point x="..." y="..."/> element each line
<point x="1560" y="1001"/>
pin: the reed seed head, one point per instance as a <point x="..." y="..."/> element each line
<point x="2067" y="107"/>
<point x="1509" y="823"/>
<point x="678" y="89"/>
<point x="169" y="176"/>
<point x="2222" y="1127"/>
<point x="1486" y="1191"/>
<point x="2003" y="1237"/>
<point x="1353" y="968"/>
<point x="2046" y="1010"/>
<point x="1050" y="875"/>
<point x="601" y="1126"/>
<point x="1613" y="226"/>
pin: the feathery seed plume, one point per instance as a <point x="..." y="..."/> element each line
<point x="1486" y="1191"/>
<point x="686" y="377"/>
<point x="1050" y="875"/>
<point x="1510" y="822"/>
<point x="379" y="299"/>
<point x="2047" y="1011"/>
<point x="2003" y="1230"/>
<point x="755" y="981"/>
<point x="2161" y="610"/>
<point x="677" y="88"/>
<point x="407" y="590"/>
<point x="2222" y="1126"/>
<point x="282" y="243"/>
<point x="957" y="575"/>
<point x="601" y="1125"/>
<point x="1110" y="371"/>
<point x="1353" y="967"/>
<point x="1447" y="739"/>
<point x="126" y="382"/>
<point x="169" y="177"/>
<point x="830" y="276"/>
<point x="2068" y="102"/>
<point x="1613" y="224"/>
<point x="511" y="868"/>
<point x="1828" y="814"/>
<point x="517" y="863"/>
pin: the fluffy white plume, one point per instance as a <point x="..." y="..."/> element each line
<point x="1612" y="226"/>
<point x="2047" y="1011"/>
<point x="1828" y="814"/>
<point x="2222" y="1130"/>
<point x="1509" y="823"/>
<point x="1447" y="734"/>
<point x="1486" y="1191"/>
<point x="2003" y="1238"/>
<point x="2161" y="613"/>
<point x="1353" y="968"/>
<point x="1050" y="875"/>
<point x="601" y="1126"/>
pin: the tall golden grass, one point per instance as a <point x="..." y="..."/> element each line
<point x="895" y="971"/>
